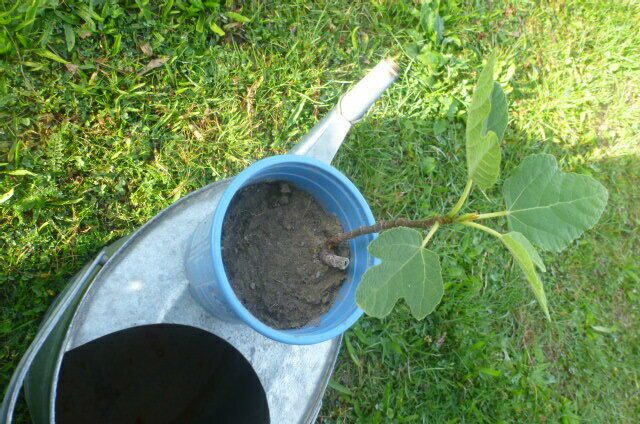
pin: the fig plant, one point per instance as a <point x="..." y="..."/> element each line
<point x="545" y="208"/>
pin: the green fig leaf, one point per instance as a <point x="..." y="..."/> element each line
<point x="407" y="271"/>
<point x="549" y="207"/>
<point x="483" y="160"/>
<point x="521" y="250"/>
<point x="533" y="253"/>
<point x="486" y="123"/>
<point x="498" y="117"/>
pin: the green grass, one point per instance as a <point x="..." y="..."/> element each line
<point x="110" y="148"/>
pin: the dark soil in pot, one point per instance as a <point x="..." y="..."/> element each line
<point x="271" y="240"/>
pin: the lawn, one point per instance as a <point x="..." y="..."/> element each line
<point x="111" y="111"/>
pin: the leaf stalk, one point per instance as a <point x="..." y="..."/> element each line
<point x="492" y="215"/>
<point x="430" y="234"/>
<point x="462" y="199"/>
<point x="483" y="228"/>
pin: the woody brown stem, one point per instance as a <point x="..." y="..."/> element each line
<point x="332" y="259"/>
<point x="385" y="225"/>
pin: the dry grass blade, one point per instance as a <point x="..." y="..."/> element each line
<point x="153" y="64"/>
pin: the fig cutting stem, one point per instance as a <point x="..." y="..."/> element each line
<point x="328" y="256"/>
<point x="336" y="261"/>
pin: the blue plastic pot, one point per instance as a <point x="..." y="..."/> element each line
<point x="208" y="280"/>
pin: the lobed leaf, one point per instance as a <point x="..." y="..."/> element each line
<point x="527" y="258"/>
<point x="486" y="124"/>
<point x="407" y="271"/>
<point x="549" y="207"/>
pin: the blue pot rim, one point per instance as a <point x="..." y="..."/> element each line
<point x="284" y="336"/>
